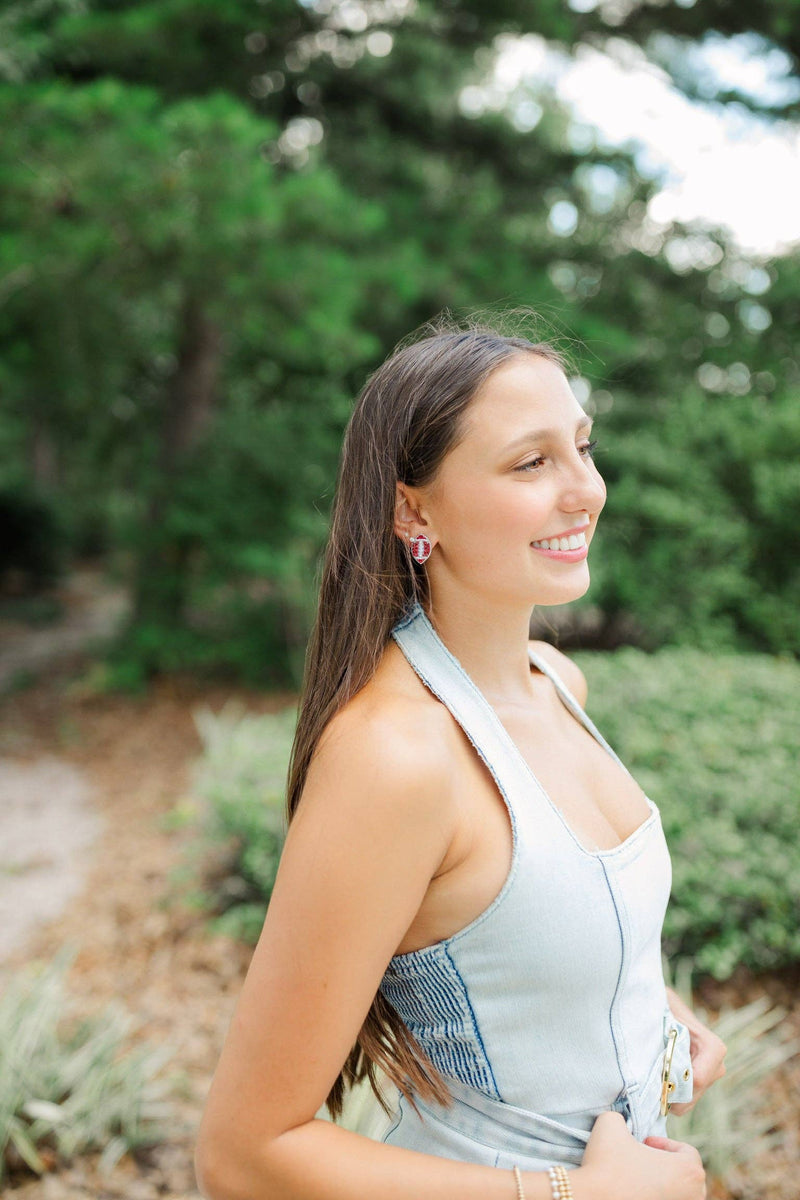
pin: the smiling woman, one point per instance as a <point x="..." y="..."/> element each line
<point x="472" y="889"/>
<point x="502" y="490"/>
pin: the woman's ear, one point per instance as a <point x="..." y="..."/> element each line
<point x="408" y="516"/>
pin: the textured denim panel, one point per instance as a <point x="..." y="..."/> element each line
<point x="431" y="998"/>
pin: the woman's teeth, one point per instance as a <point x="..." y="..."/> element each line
<point x="573" y="542"/>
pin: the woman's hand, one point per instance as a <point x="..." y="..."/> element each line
<point x="616" y="1164"/>
<point x="707" y="1051"/>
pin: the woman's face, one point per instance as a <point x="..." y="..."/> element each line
<point x="521" y="476"/>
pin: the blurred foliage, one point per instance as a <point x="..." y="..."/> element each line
<point x="71" y="1084"/>
<point x="241" y="778"/>
<point x="711" y="739"/>
<point x="219" y="217"/>
<point x="733" y="1125"/>
<point x="33" y="542"/>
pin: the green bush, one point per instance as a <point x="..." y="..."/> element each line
<point x="712" y="739"/>
<point x="241" y="640"/>
<point x="241" y="776"/>
<point x="72" y="1084"/>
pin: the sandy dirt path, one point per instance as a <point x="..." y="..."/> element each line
<point x="48" y="823"/>
<point x="92" y="609"/>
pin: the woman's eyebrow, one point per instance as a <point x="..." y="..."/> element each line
<point x="542" y="435"/>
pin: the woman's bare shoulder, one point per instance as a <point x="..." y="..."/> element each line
<point x="396" y="712"/>
<point x="569" y="671"/>
<point x="393" y="733"/>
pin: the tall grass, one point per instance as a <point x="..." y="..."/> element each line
<point x="71" y="1084"/>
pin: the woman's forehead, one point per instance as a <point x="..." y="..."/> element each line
<point x="529" y="389"/>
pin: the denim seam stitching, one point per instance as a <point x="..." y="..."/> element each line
<point x="475" y="1026"/>
<point x="404" y="621"/>
<point x="393" y="1128"/>
<point x="619" y="979"/>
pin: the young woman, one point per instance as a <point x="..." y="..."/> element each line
<point x="472" y="889"/>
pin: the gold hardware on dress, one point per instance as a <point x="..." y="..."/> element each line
<point x="667" y="1086"/>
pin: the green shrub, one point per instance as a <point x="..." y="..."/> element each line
<point x="233" y="638"/>
<point x="712" y="739"/>
<point x="69" y="1084"/>
<point x="242" y="777"/>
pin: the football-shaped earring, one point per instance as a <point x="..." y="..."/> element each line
<point x="420" y="547"/>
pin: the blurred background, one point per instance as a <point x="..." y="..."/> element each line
<point x="218" y="216"/>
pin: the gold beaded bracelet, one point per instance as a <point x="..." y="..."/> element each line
<point x="559" y="1182"/>
<point x="518" y="1181"/>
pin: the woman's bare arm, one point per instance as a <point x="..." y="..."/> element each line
<point x="375" y="821"/>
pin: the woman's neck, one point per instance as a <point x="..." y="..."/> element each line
<point x="490" y="642"/>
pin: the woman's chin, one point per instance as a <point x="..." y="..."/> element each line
<point x="565" y="593"/>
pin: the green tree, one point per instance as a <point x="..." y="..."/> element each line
<point x="222" y="214"/>
<point x="146" y="233"/>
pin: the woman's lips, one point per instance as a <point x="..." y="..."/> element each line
<point x="564" y="555"/>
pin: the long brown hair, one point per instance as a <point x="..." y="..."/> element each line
<point x="406" y="419"/>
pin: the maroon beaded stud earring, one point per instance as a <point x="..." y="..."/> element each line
<point x="420" y="547"/>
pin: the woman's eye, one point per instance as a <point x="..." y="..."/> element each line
<point x="533" y="465"/>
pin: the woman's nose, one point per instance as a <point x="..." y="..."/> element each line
<point x="584" y="488"/>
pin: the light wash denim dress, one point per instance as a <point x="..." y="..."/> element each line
<point x="550" y="1007"/>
